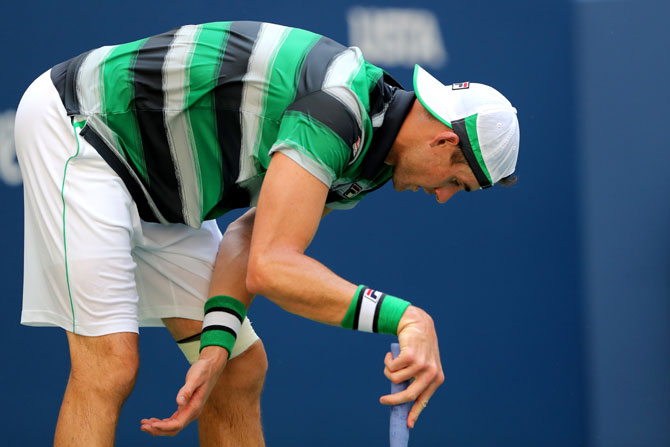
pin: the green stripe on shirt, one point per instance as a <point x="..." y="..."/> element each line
<point x="119" y="113"/>
<point x="203" y="76"/>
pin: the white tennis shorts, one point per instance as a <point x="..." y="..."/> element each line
<point x="91" y="266"/>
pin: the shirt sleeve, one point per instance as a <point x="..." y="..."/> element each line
<point x="319" y="133"/>
<point x="345" y="204"/>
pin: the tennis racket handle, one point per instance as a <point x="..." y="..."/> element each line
<point x="398" y="431"/>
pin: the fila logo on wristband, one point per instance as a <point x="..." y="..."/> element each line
<point x="372" y="295"/>
<point x="367" y="310"/>
<point x="222" y="319"/>
<point x="374" y="311"/>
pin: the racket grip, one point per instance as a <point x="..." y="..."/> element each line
<point x="398" y="431"/>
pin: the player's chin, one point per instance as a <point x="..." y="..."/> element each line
<point x="398" y="185"/>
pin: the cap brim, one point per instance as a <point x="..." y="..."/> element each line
<point x="428" y="90"/>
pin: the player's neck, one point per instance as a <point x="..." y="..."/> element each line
<point x="414" y="130"/>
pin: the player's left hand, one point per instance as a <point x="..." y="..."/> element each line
<point x="200" y="380"/>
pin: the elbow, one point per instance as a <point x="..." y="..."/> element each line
<point x="271" y="271"/>
<point x="259" y="275"/>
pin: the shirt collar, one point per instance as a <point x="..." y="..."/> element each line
<point x="383" y="137"/>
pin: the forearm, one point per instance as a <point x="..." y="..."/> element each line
<point x="230" y="269"/>
<point x="300" y="285"/>
<point x="283" y="229"/>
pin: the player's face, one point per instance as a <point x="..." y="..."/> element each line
<point x="431" y="169"/>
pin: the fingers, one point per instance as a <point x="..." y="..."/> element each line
<point x="420" y="391"/>
<point x="411" y="393"/>
<point x="195" y="379"/>
<point x="402" y="368"/>
<point x="388" y="359"/>
<point x="409" y="365"/>
<point x="421" y="403"/>
<point x="403" y="374"/>
<point x="403" y="360"/>
<point x="184" y="415"/>
<point x="200" y="379"/>
<point x="190" y="400"/>
<point x="416" y="410"/>
<point x="165" y="427"/>
<point x="184" y="394"/>
<point x="418" y="362"/>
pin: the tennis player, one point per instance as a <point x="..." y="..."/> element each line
<point x="129" y="152"/>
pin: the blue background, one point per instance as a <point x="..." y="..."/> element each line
<point x="551" y="298"/>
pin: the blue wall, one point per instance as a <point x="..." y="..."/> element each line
<point x="623" y="92"/>
<point x="500" y="271"/>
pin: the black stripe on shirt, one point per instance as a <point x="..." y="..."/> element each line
<point x="380" y="94"/>
<point x="115" y="162"/>
<point x="149" y="102"/>
<point x="316" y="64"/>
<point x="64" y="78"/>
<point x="330" y="111"/>
<point x="228" y="100"/>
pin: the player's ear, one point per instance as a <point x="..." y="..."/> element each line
<point x="444" y="137"/>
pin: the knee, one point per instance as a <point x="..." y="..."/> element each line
<point x="113" y="378"/>
<point x="120" y="378"/>
<point x="107" y="374"/>
<point x="242" y="227"/>
<point x="246" y="373"/>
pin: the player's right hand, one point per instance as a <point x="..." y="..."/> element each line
<point x="191" y="398"/>
<point x="419" y="359"/>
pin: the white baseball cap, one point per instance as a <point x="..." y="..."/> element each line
<point x="483" y="119"/>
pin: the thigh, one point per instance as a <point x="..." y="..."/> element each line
<point x="104" y="360"/>
<point x="186" y="333"/>
<point x="174" y="268"/>
<point x="80" y="222"/>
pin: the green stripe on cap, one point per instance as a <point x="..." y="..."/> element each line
<point x="469" y="153"/>
<point x="471" y="128"/>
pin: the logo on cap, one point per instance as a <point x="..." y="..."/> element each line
<point x="460" y="85"/>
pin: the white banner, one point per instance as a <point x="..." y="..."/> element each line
<point x="9" y="168"/>
<point x="397" y="36"/>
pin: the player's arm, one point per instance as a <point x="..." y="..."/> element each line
<point x="288" y="214"/>
<point x="228" y="278"/>
<point x="230" y="269"/>
<point x="287" y="217"/>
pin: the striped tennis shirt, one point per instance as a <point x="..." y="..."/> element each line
<point x="189" y="119"/>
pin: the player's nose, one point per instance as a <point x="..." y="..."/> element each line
<point x="442" y="195"/>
